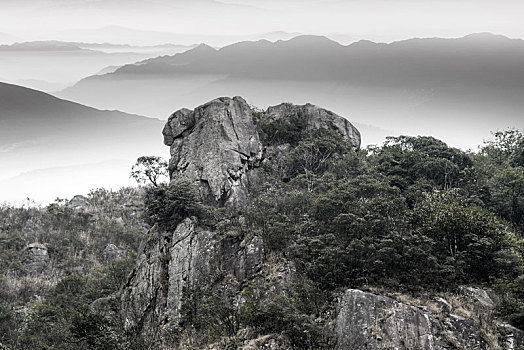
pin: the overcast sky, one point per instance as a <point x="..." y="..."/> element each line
<point x="379" y="20"/>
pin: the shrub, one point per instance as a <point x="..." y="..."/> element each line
<point x="168" y="205"/>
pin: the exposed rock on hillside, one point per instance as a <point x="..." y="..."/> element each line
<point x="78" y="202"/>
<point x="370" y="321"/>
<point x="36" y="257"/>
<point x="218" y="145"/>
<point x="315" y="118"/>
<point x="221" y="146"/>
<point x="215" y="144"/>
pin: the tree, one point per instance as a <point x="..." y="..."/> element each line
<point x="465" y="236"/>
<point x="149" y="168"/>
<point x="420" y="164"/>
<point x="315" y="154"/>
<point x="506" y="148"/>
<point x="507" y="195"/>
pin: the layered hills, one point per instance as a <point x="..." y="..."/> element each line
<point x="419" y="85"/>
<point x="39" y="131"/>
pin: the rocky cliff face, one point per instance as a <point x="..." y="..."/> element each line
<point x="220" y="147"/>
<point x="215" y="145"/>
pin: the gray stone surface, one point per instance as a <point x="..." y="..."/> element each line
<point x="218" y="145"/>
<point x="36" y="257"/>
<point x="316" y="118"/>
<point x="78" y="202"/>
<point x="167" y="263"/>
<point x="369" y="321"/>
<point x="511" y="337"/>
<point x="215" y="146"/>
<point x="112" y="252"/>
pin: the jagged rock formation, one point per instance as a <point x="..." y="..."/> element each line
<point x="218" y="145"/>
<point x="170" y="261"/>
<point x="369" y="321"/>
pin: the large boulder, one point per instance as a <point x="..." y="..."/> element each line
<point x="218" y="145"/>
<point x="314" y="117"/>
<point x="369" y="321"/>
<point x="214" y="145"/>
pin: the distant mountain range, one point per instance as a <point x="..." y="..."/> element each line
<point x="480" y="58"/>
<point x="50" y="45"/>
<point x="55" y="45"/>
<point x="432" y="86"/>
<point x="52" y="65"/>
<point x="39" y="131"/>
<point x="124" y="35"/>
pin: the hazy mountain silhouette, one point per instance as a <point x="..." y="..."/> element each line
<point x="479" y="58"/>
<point x="39" y="131"/>
<point x="51" y="45"/>
<point x="34" y="64"/>
<point x="457" y="89"/>
<point x="125" y="35"/>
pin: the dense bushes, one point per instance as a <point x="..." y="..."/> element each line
<point x="168" y="204"/>
<point x="413" y="214"/>
<point x="64" y="320"/>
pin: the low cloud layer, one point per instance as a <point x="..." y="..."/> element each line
<point x="379" y="20"/>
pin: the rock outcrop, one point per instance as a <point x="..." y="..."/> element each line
<point x="36" y="257"/>
<point x="215" y="145"/>
<point x="112" y="252"/>
<point x="315" y="118"/>
<point x="78" y="202"/>
<point x="369" y="321"/>
<point x="219" y="147"/>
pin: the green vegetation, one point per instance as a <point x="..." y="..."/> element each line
<point x="413" y="215"/>
<point x="168" y="204"/>
<point x="149" y="169"/>
<point x="49" y="308"/>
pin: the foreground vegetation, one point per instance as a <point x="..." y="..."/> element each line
<point x="412" y="215"/>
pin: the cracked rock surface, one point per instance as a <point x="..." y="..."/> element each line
<point x="369" y="321"/>
<point x="218" y="145"/>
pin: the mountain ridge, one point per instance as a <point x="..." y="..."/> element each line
<point x="40" y="131"/>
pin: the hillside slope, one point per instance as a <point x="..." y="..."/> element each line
<point x="39" y="131"/>
<point x="275" y="232"/>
